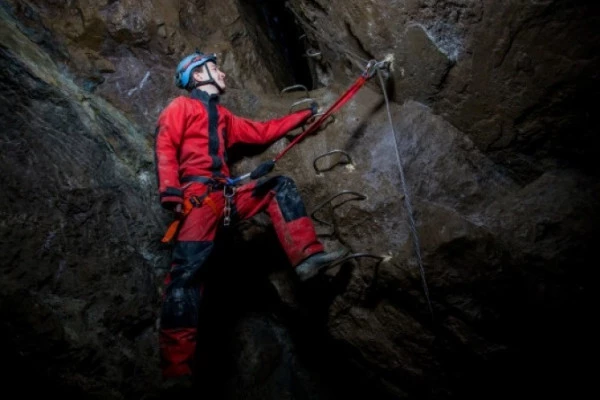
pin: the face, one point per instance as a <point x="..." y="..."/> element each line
<point x="215" y="72"/>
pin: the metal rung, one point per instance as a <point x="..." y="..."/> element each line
<point x="307" y="100"/>
<point x="357" y="196"/>
<point x="356" y="255"/>
<point x="295" y="87"/>
<point x="313" y="53"/>
<point x="349" y="161"/>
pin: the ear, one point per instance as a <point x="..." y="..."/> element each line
<point x="198" y="74"/>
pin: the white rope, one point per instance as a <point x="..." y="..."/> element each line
<point x="407" y="202"/>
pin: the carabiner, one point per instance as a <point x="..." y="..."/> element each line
<point x="373" y="66"/>
<point x="370" y="69"/>
<point x="228" y="192"/>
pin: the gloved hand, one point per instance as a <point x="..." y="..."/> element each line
<point x="263" y="169"/>
<point x="314" y="107"/>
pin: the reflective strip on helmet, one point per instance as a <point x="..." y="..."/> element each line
<point x="201" y="58"/>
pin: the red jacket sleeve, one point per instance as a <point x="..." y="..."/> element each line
<point x="242" y="130"/>
<point x="168" y="139"/>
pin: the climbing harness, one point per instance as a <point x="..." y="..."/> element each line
<point x="199" y="201"/>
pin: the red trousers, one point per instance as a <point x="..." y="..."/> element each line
<point x="279" y="197"/>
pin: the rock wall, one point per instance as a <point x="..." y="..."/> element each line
<point x="469" y="200"/>
<point x="498" y="71"/>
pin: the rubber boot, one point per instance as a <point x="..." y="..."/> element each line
<point x="181" y="386"/>
<point x="316" y="262"/>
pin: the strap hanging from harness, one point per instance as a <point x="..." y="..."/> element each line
<point x="172" y="229"/>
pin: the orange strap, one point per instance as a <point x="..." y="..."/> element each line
<point x="211" y="204"/>
<point x="172" y="229"/>
<point x="187" y="207"/>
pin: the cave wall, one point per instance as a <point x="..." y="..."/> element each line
<point x="489" y="160"/>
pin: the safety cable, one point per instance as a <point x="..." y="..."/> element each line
<point x="407" y="202"/>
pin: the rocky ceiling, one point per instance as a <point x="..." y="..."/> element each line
<point x="469" y="198"/>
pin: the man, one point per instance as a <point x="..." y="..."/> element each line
<point x="193" y="135"/>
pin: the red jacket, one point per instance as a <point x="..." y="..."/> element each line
<point x="194" y="133"/>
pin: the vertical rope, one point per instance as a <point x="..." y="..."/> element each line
<point x="407" y="201"/>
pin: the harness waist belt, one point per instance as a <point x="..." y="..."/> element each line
<point x="212" y="182"/>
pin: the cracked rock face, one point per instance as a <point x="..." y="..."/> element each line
<point x="468" y="199"/>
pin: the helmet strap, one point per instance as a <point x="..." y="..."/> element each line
<point x="210" y="81"/>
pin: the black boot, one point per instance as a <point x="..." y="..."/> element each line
<point x="316" y="262"/>
<point x="177" y="386"/>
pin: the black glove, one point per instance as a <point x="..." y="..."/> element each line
<point x="314" y="107"/>
<point x="263" y="169"/>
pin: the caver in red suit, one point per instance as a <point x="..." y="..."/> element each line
<point x="193" y="135"/>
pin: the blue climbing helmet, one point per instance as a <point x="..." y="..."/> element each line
<point x="185" y="67"/>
